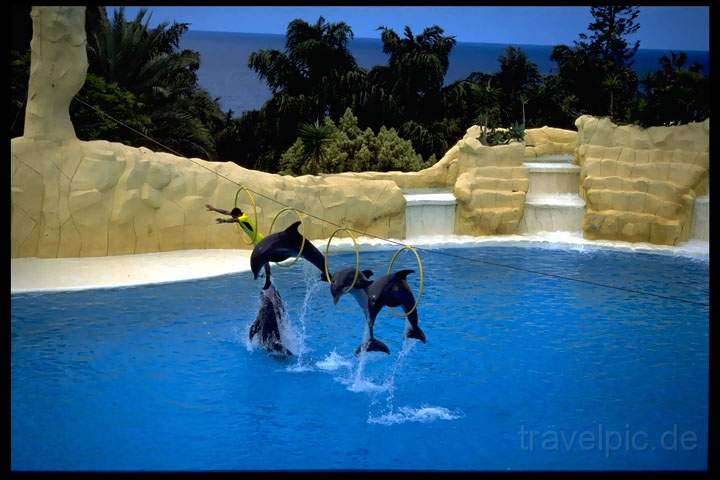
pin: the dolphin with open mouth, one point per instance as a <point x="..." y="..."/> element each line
<point x="281" y="246"/>
<point x="392" y="290"/>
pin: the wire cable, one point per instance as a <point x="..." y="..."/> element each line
<point x="405" y="245"/>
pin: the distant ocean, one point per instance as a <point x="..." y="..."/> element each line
<point x="224" y="58"/>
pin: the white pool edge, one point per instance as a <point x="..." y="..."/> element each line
<point x="43" y="275"/>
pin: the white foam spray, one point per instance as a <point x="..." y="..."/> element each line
<point x="333" y="361"/>
<point x="424" y="414"/>
<point x="312" y="286"/>
<point x="389" y="382"/>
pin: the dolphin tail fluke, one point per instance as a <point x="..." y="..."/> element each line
<point x="372" y="345"/>
<point x="402" y="274"/>
<point x="416" y="333"/>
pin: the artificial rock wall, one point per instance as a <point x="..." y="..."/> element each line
<point x="489" y="183"/>
<point x="71" y="198"/>
<point x="640" y="184"/>
<point x="549" y="141"/>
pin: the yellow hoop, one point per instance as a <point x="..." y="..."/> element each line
<point x="422" y="278"/>
<point x="302" y="245"/>
<point x="357" y="258"/>
<point x="254" y="205"/>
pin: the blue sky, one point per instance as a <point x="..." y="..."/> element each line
<point x="677" y="28"/>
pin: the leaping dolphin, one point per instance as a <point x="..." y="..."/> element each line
<point x="393" y="290"/>
<point x="281" y="246"/>
<point x="267" y="322"/>
<point x="339" y="283"/>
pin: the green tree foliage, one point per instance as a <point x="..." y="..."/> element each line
<point x="115" y="101"/>
<point x="597" y="70"/>
<point x="518" y="81"/>
<point x="146" y="62"/>
<point x="331" y="148"/>
<point x="311" y="78"/>
<point x="675" y="93"/>
<point x="325" y="109"/>
<point x="413" y="80"/>
<point x="137" y="75"/>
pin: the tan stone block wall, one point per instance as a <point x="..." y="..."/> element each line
<point x="74" y="198"/>
<point x="490" y="189"/>
<point x="121" y="200"/>
<point x="549" y="141"/>
<point x="640" y="184"/>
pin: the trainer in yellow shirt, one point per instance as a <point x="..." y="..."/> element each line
<point x="248" y="226"/>
<point x="243" y="219"/>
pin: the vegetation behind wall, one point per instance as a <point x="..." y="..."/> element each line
<point x="139" y="75"/>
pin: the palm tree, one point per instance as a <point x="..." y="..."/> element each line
<point x="517" y="78"/>
<point x="414" y="79"/>
<point x="417" y="66"/>
<point x="314" y="138"/>
<point x="148" y="63"/>
<point x="140" y="59"/>
<point x="523" y="101"/>
<point x="612" y="82"/>
<point x="315" y="60"/>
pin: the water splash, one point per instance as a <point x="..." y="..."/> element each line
<point x="389" y="382"/>
<point x="243" y="335"/>
<point x="359" y="382"/>
<point x="391" y="416"/>
<point x="424" y="414"/>
<point x="312" y="286"/>
<point x="333" y="361"/>
<point x="285" y="329"/>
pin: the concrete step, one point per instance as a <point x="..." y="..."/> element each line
<point x="552" y="178"/>
<point x="557" y="158"/>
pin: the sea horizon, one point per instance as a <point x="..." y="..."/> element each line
<point x="225" y="74"/>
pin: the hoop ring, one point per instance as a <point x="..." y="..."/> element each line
<point x="254" y="205"/>
<point x="357" y="258"/>
<point x="422" y="278"/>
<point x="302" y="245"/>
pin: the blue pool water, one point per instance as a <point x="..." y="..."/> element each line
<point x="519" y="372"/>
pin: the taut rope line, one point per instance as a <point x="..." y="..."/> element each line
<point x="588" y="282"/>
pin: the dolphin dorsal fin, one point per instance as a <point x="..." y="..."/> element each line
<point x="402" y="274"/>
<point x="293" y="229"/>
<point x="367" y="273"/>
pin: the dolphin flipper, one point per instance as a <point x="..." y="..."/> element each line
<point x="254" y="328"/>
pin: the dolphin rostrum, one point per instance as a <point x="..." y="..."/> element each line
<point x="392" y="290"/>
<point x="281" y="246"/>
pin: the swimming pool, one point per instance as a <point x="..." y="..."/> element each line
<point x="520" y="371"/>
